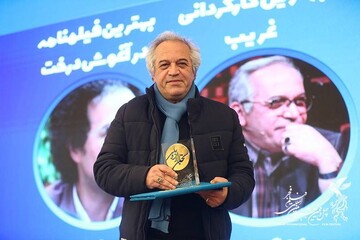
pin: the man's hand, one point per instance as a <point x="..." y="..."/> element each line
<point x="162" y="177"/>
<point x="307" y="144"/>
<point x="215" y="198"/>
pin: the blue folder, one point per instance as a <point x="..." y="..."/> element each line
<point x="178" y="191"/>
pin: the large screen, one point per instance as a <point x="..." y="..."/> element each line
<point x="52" y="75"/>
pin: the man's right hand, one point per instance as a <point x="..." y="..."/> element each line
<point x="162" y="177"/>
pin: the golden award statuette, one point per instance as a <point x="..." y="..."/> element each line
<point x="179" y="157"/>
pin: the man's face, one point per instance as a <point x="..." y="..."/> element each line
<point x="263" y="126"/>
<point x="101" y="111"/>
<point x="173" y="73"/>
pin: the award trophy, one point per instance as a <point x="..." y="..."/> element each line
<point x="181" y="157"/>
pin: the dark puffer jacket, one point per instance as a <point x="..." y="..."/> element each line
<point x="132" y="146"/>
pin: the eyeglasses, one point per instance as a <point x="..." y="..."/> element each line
<point x="302" y="102"/>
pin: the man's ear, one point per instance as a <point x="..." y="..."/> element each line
<point x="75" y="154"/>
<point x="239" y="108"/>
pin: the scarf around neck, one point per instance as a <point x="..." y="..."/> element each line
<point x="173" y="113"/>
<point x="160" y="209"/>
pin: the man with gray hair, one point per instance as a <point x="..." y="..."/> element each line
<point x="293" y="161"/>
<point x="172" y="110"/>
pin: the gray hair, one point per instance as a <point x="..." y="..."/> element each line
<point x="240" y="88"/>
<point x="171" y="36"/>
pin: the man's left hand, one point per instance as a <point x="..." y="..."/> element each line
<point x="215" y="198"/>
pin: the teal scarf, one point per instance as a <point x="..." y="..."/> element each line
<point x="160" y="208"/>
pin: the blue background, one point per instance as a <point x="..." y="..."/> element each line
<point x="324" y="33"/>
